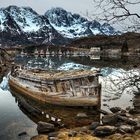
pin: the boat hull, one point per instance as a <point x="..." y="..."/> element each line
<point x="53" y="100"/>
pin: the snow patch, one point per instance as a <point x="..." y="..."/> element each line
<point x="72" y="66"/>
<point x="4" y="83"/>
<point x="2" y="19"/>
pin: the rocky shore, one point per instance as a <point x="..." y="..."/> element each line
<point x="118" y="125"/>
<point x="84" y="136"/>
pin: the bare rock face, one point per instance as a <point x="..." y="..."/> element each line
<point x="44" y="127"/>
<point x="105" y="130"/>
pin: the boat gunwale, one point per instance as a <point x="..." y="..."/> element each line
<point x="57" y="76"/>
<point x="46" y="80"/>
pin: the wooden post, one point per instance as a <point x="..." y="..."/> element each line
<point x="99" y="96"/>
<point x="72" y="88"/>
<point x="55" y="86"/>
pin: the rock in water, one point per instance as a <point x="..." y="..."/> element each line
<point x="105" y="130"/>
<point x="109" y="119"/>
<point x="115" y="109"/>
<point x="134" y="111"/>
<point x="81" y="115"/>
<point x="94" y="125"/>
<point x="44" y="127"/>
<point x="126" y="129"/>
<point x="22" y="134"/>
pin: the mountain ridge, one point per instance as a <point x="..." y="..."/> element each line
<point x="23" y="25"/>
<point x="74" y="26"/>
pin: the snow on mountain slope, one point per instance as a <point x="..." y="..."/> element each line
<point x="69" y="31"/>
<point x="73" y="25"/>
<point x="7" y="23"/>
<point x="27" y="19"/>
<point x="22" y="25"/>
<point x="26" y="22"/>
<point x="2" y="19"/>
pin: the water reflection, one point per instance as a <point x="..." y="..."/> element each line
<point x="119" y="87"/>
<point x="59" y="116"/>
<point x="12" y="118"/>
<point x="55" y="61"/>
<point x="108" y="66"/>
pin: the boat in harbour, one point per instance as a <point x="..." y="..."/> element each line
<point x="65" y="88"/>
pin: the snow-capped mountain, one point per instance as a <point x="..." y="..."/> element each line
<point x="73" y="25"/>
<point x="22" y="25"/>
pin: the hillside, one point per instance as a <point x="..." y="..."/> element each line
<point x="116" y="41"/>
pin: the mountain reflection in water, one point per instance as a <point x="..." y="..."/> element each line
<point x="46" y="61"/>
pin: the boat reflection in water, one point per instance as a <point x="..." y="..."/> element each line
<point x="59" y="116"/>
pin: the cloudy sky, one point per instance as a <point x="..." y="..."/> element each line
<point x="40" y="6"/>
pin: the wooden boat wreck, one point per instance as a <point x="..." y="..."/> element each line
<point x="64" y="88"/>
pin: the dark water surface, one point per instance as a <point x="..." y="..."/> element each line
<point x="19" y="114"/>
<point x="12" y="120"/>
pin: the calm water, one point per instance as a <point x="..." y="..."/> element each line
<point x="12" y="120"/>
<point x="19" y="114"/>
